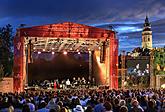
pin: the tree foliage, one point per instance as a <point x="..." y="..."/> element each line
<point x="6" y="52"/>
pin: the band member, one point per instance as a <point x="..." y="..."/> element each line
<point x="89" y="81"/>
<point x="68" y="83"/>
<point x="63" y="84"/>
<point x="83" y="82"/>
<point x="93" y="82"/>
<point x="78" y="81"/>
<point x="55" y="85"/>
<point x="74" y="82"/>
<point x="58" y="83"/>
<point x="52" y="84"/>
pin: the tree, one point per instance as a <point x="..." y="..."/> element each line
<point x="6" y="46"/>
<point x="1" y="72"/>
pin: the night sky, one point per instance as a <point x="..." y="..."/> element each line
<point x="127" y="16"/>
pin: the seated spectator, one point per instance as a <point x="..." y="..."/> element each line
<point x="108" y="107"/>
<point x="136" y="107"/>
<point x="122" y="103"/>
<point x="123" y="109"/>
<point x="151" y="106"/>
<point x="31" y="105"/>
<point x="63" y="109"/>
<point x="89" y="109"/>
<point x="26" y="108"/>
<point x="78" y="108"/>
<point x="53" y="105"/>
<point x="42" y="107"/>
<point x="116" y="105"/>
<point x="99" y="107"/>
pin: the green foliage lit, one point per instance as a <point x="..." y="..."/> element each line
<point x="159" y="61"/>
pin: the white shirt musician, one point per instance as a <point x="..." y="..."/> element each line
<point x="68" y="83"/>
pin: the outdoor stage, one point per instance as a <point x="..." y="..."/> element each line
<point x="67" y="37"/>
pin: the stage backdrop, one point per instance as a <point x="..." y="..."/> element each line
<point x="47" y="66"/>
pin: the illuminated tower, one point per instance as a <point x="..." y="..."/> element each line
<point x="147" y="35"/>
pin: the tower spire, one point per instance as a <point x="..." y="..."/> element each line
<point x="147" y="24"/>
<point x="147" y="34"/>
<point x="146" y="20"/>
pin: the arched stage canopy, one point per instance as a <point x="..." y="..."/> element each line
<point x="67" y="36"/>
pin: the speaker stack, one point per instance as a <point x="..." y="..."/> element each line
<point x="103" y="52"/>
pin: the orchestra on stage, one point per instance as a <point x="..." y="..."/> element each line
<point x="75" y="83"/>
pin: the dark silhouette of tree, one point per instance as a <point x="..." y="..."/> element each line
<point x="6" y="49"/>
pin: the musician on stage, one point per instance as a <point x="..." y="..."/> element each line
<point x="63" y="83"/>
<point x="52" y="84"/>
<point x="74" y="82"/>
<point x="93" y="82"/>
<point x="68" y="85"/>
<point x="55" y="85"/>
<point x="78" y="82"/>
<point x="83" y="82"/>
<point x="89" y="81"/>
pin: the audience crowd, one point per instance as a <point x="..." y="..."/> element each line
<point x="84" y="100"/>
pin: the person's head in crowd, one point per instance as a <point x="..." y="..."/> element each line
<point x="52" y="110"/>
<point x="60" y="104"/>
<point x="63" y="109"/>
<point x="116" y="102"/>
<point x="77" y="101"/>
<point x="11" y="109"/>
<point x="78" y="108"/>
<point x="42" y="105"/>
<point x="136" y="107"/>
<point x="108" y="106"/>
<point x="28" y="100"/>
<point x="152" y="103"/>
<point x="129" y="100"/>
<point x="101" y="100"/>
<point x="123" y="109"/>
<point x="135" y="103"/>
<point x="89" y="109"/>
<point x="25" y="108"/>
<point x="122" y="103"/>
<point x="53" y="105"/>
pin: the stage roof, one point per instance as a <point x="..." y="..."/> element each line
<point x="67" y="36"/>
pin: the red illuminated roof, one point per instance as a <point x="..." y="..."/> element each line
<point x="66" y="29"/>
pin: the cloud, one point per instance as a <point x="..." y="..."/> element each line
<point x="130" y="34"/>
<point x="126" y="16"/>
<point x="86" y="11"/>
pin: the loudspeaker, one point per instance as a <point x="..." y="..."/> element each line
<point x="29" y="51"/>
<point x="103" y="52"/>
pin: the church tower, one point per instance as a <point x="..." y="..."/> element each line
<point x="147" y="35"/>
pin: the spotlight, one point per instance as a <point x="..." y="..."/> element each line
<point x="99" y="48"/>
<point x="34" y="48"/>
<point x="79" y="53"/>
<point x="43" y="50"/>
<point x="52" y="52"/>
<point x="77" y="50"/>
<point x="39" y="52"/>
<point x="88" y="49"/>
<point x="65" y="52"/>
<point x="52" y="48"/>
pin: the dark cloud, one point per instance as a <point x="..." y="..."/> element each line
<point x="87" y="11"/>
<point x="126" y="16"/>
